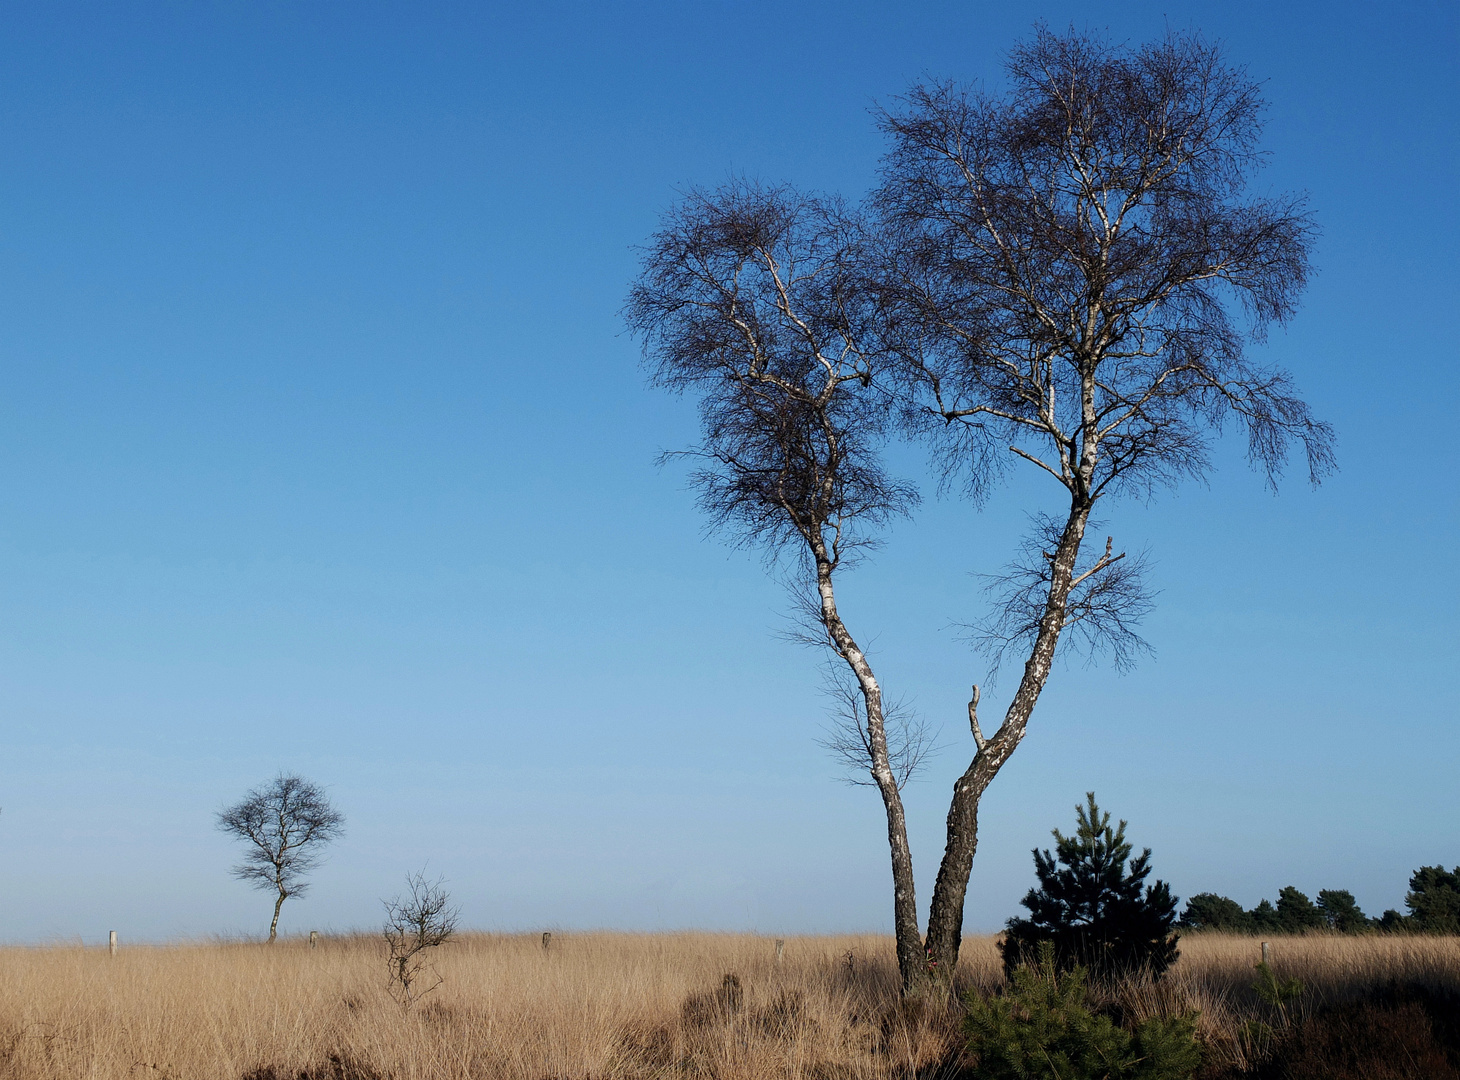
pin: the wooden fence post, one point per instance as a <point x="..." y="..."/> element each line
<point x="1267" y="954"/>
<point x="111" y="942"/>
<point x="314" y="939"/>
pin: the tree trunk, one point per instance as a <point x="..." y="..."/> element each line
<point x="945" y="916"/>
<point x="912" y="962"/>
<point x="274" y="926"/>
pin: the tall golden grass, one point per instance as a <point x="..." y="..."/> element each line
<point x="598" y="1005"/>
<point x="1216" y="971"/>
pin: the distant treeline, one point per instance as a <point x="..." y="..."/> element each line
<point x="1433" y="901"/>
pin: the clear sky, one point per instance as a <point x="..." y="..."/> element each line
<point x="322" y="448"/>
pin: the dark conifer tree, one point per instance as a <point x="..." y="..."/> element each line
<point x="1094" y="905"/>
<point x="1342" y="912"/>
<point x="1265" y="918"/>
<point x="1296" y="913"/>
<point x="1208" y="911"/>
<point x="1434" y="900"/>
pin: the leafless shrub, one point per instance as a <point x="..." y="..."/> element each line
<point x="416" y="923"/>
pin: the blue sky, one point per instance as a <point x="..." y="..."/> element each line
<point x="323" y="448"/>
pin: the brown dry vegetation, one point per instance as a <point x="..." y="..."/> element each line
<point x="595" y="1006"/>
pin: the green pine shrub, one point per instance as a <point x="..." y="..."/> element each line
<point x="1041" y="1027"/>
<point x="1094" y="905"/>
<point x="1261" y="1036"/>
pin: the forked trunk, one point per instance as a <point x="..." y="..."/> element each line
<point x="945" y="916"/>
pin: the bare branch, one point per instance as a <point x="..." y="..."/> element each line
<point x="911" y="742"/>
<point x="1107" y="601"/>
<point x="1030" y="457"/>
<point x="1100" y="564"/>
<point x="978" y="740"/>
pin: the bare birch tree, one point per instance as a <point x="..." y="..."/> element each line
<point x="1065" y="276"/>
<point x="285" y="824"/>
<point x="1072" y="272"/>
<point x="751" y="297"/>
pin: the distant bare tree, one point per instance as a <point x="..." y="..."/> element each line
<point x="285" y="824"/>
<point x="1070" y="273"/>
<point x="1066" y="275"/>
<point x="416" y="923"/>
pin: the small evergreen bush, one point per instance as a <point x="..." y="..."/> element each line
<point x="1042" y="1028"/>
<point x="1095" y="909"/>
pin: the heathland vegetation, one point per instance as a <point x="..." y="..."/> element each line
<point x="636" y="1007"/>
<point x="1098" y="981"/>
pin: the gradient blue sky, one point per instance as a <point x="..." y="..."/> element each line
<point x="323" y="449"/>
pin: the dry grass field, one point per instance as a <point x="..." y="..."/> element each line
<point x="592" y="1006"/>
